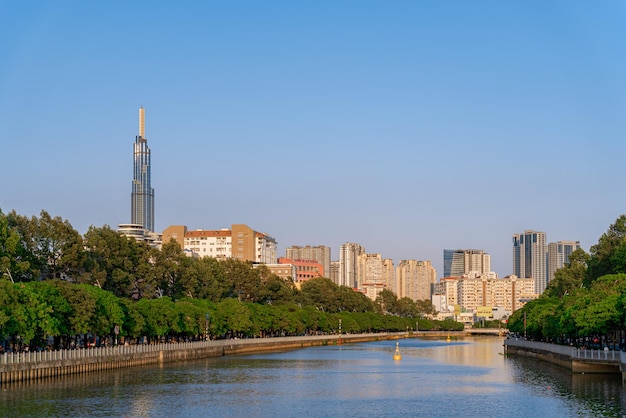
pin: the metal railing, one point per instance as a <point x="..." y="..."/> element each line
<point x="82" y="353"/>
<point x="121" y="350"/>
<point x="574" y="352"/>
<point x="587" y="354"/>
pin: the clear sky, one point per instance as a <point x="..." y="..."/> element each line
<point x="408" y="127"/>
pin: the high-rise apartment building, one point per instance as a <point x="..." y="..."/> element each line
<point x="414" y="279"/>
<point x="373" y="273"/>
<point x="509" y="293"/>
<point x="448" y="286"/>
<point x="558" y="255"/>
<point x="334" y="272"/>
<point x="459" y="262"/>
<point x="319" y="253"/>
<point x="142" y="196"/>
<point x="349" y="264"/>
<point x="389" y="274"/>
<point x="529" y="258"/>
<point x="370" y="270"/>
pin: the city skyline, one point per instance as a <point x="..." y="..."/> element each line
<point x="408" y="129"/>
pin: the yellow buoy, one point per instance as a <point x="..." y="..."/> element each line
<point x="448" y="339"/>
<point x="396" y="355"/>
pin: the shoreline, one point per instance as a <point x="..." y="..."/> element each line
<point x="31" y="366"/>
<point x="28" y="366"/>
<point x="576" y="360"/>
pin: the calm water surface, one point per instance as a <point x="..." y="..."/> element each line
<point x="468" y="378"/>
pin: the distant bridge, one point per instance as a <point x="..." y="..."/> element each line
<point x="485" y="331"/>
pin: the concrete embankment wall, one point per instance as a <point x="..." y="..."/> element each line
<point x="562" y="355"/>
<point x="556" y="354"/>
<point x="33" y="366"/>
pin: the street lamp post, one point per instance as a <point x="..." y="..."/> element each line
<point x="116" y="331"/>
<point x="339" y="341"/>
<point x="206" y="327"/>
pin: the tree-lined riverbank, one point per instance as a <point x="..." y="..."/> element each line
<point x="585" y="304"/>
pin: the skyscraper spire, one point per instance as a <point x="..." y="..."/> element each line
<point x="142" y="132"/>
<point x="142" y="196"/>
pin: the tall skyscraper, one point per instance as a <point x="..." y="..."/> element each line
<point x="142" y="196"/>
<point x="459" y="262"/>
<point x="558" y="255"/>
<point x="529" y="258"/>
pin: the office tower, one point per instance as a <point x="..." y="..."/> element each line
<point x="349" y="264"/>
<point x="529" y="258"/>
<point x="558" y="255"/>
<point x="319" y="253"/>
<point x="142" y="197"/>
<point x="459" y="262"/>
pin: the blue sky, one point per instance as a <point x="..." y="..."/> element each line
<point x="407" y="126"/>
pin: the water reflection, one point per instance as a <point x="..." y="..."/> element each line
<point x="468" y="377"/>
<point x="597" y="394"/>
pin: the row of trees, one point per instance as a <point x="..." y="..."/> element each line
<point x="45" y="247"/>
<point x="59" y="283"/>
<point x="32" y="312"/>
<point x="586" y="299"/>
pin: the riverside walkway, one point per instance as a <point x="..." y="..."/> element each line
<point x="578" y="360"/>
<point x="15" y="367"/>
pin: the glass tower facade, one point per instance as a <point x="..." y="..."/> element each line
<point x="530" y="258"/>
<point x="142" y="197"/>
<point x="459" y="262"/>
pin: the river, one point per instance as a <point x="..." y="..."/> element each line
<point x="468" y="377"/>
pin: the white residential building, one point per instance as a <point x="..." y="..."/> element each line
<point x="349" y="264"/>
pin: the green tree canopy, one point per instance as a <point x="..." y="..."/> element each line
<point x="571" y="277"/>
<point x="603" y="257"/>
